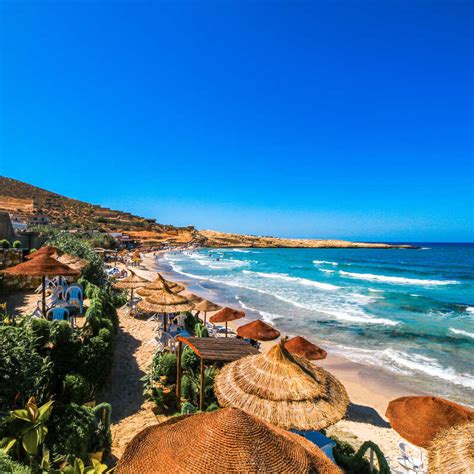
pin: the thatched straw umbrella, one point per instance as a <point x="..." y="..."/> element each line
<point x="157" y="285"/>
<point x="227" y="440"/>
<point x="72" y="261"/>
<point x="225" y="315"/>
<point x="193" y="298"/>
<point x="205" y="306"/>
<point x="420" y="419"/>
<point x="48" y="250"/>
<point x="166" y="302"/>
<point x="282" y="389"/>
<point x="258" y="331"/>
<point x="131" y="282"/>
<point x="42" y="266"/>
<point x="453" y="450"/>
<point x="302" y="347"/>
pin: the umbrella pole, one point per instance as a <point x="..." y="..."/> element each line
<point x="205" y="315"/>
<point x="178" y="375"/>
<point x="165" y="317"/>
<point x="44" y="295"/>
<point x="226" y="329"/>
<point x="201" y="388"/>
<point x="131" y="296"/>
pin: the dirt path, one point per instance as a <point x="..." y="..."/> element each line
<point x="130" y="412"/>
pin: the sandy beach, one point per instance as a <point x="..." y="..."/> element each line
<point x="369" y="390"/>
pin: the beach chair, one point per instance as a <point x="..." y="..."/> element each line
<point x="326" y="445"/>
<point x="411" y="459"/>
<point x="57" y="314"/>
<point x="57" y="294"/>
<point x="75" y="297"/>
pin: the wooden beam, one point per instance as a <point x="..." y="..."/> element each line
<point x="201" y="389"/>
<point x="178" y="374"/>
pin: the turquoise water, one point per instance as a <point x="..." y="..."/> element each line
<point x="407" y="312"/>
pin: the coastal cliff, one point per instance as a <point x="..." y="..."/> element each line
<point x="212" y="238"/>
<point x="24" y="201"/>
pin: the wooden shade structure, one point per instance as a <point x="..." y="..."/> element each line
<point x="211" y="349"/>
<point x="420" y="419"/>
<point x="42" y="266"/>
<point x="157" y="285"/>
<point x="166" y="302"/>
<point x="221" y="441"/>
<point x="453" y="450"/>
<point x="302" y="347"/>
<point x="225" y="315"/>
<point x="258" y="331"/>
<point x="48" y="250"/>
<point x="205" y="306"/>
<point x="282" y="389"/>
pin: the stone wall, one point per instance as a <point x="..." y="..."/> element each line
<point x="10" y="257"/>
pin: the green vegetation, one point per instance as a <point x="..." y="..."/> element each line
<point x="4" y="244"/>
<point x="41" y="361"/>
<point x="356" y="463"/>
<point x="16" y="244"/>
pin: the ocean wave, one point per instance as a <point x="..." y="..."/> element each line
<point x="397" y="280"/>
<point x="269" y="317"/>
<point x="241" y="251"/>
<point x="470" y="309"/>
<point x="460" y="332"/>
<point x="218" y="264"/>
<point x="325" y="262"/>
<point x="301" y="281"/>
<point x="357" y="316"/>
<point x="326" y="271"/>
<point x="429" y="366"/>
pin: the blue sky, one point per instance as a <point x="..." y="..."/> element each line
<point x="348" y="119"/>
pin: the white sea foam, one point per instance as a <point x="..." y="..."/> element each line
<point x="470" y="309"/>
<point x="460" y="332"/>
<point x="301" y="281"/>
<point x="326" y="271"/>
<point x="397" y="280"/>
<point x="429" y="366"/>
<point x="265" y="314"/>
<point x="241" y="250"/>
<point x="325" y="262"/>
<point x="358" y="316"/>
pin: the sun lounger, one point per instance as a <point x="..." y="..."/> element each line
<point x="325" y="444"/>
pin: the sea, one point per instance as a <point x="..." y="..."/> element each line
<point x="408" y="313"/>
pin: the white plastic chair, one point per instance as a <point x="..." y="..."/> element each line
<point x="411" y="458"/>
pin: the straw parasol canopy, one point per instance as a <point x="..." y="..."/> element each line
<point x="48" y="250"/>
<point x="131" y="282"/>
<point x="157" y="284"/>
<point x="72" y="261"/>
<point x="42" y="266"/>
<point x="302" y="347"/>
<point x="227" y="440"/>
<point x="194" y="298"/>
<point x="165" y="301"/>
<point x="420" y="419"/>
<point x="453" y="450"/>
<point x="258" y="331"/>
<point x="205" y="306"/>
<point x="225" y="315"/>
<point x="282" y="389"/>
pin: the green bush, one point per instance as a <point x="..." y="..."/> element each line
<point x="16" y="244"/>
<point x="8" y="465"/>
<point x="189" y="360"/>
<point x="76" y="389"/>
<point x="187" y="389"/>
<point x="40" y="329"/>
<point x="71" y="431"/>
<point x="164" y="365"/>
<point x="24" y="373"/>
<point x="187" y="408"/>
<point x="4" y="244"/>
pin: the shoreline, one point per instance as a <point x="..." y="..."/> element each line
<point x="369" y="389"/>
<point x="367" y="386"/>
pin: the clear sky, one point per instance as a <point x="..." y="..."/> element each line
<point x="348" y="119"/>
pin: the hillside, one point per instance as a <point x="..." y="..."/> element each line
<point x="23" y="201"/>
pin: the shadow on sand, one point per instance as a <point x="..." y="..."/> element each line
<point x="363" y="414"/>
